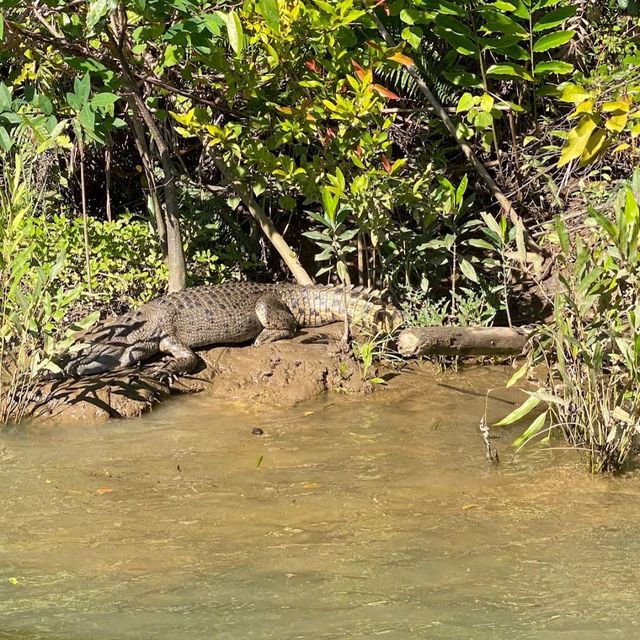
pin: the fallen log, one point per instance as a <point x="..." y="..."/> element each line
<point x="462" y="341"/>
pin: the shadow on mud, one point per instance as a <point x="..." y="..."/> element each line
<point x="119" y="394"/>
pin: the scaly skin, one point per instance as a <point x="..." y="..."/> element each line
<point x="231" y="313"/>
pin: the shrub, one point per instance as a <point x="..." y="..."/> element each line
<point x="32" y="306"/>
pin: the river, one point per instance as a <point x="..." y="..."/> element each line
<point x="347" y="518"/>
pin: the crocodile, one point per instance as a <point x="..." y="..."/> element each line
<point x="231" y="313"/>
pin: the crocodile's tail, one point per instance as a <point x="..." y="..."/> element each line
<point x="315" y="306"/>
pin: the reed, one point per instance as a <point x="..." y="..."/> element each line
<point x="591" y="349"/>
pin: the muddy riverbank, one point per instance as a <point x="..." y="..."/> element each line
<point x="281" y="374"/>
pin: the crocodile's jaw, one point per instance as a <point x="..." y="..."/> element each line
<point x="107" y="358"/>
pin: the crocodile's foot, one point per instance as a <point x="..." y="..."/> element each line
<point x="164" y="374"/>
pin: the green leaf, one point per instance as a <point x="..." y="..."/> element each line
<point x="413" y="35"/>
<point x="213" y="22"/>
<point x="509" y="69"/>
<point x="483" y="120"/>
<point x="410" y="16"/>
<point x="87" y="118"/>
<point x="543" y="4"/>
<point x="467" y="269"/>
<point x="518" y="375"/>
<point x="317" y="235"/>
<point x="522" y="9"/>
<point x="270" y="13"/>
<point x="455" y="26"/>
<point x="596" y="144"/>
<point x="73" y="101"/>
<point x="460" y="43"/>
<point x="492" y="223"/>
<point x="5" y="140"/>
<point x="534" y="428"/>
<point x="552" y="40"/>
<point x="169" y="58"/>
<point x="53" y="136"/>
<point x="553" y="66"/>
<point x="462" y="189"/>
<point x="235" y="32"/>
<point x="465" y="103"/>
<point x="1" y="27"/>
<point x="5" y="97"/>
<point x="86" y="322"/>
<point x="499" y="22"/>
<point x="463" y="79"/>
<point x="82" y="88"/>
<point x="97" y="10"/>
<point x="479" y="243"/>
<point x="516" y="52"/>
<point x="563" y="235"/>
<point x="517" y="414"/>
<point x="574" y="93"/>
<point x="555" y="18"/>
<point x="604" y="222"/>
<point x="104" y="100"/>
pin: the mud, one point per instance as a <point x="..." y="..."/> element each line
<point x="281" y="374"/>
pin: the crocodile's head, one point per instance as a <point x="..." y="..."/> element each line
<point x="96" y="359"/>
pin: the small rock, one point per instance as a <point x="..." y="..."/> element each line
<point x="257" y="431"/>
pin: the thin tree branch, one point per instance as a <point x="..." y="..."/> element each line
<point x="266" y="224"/>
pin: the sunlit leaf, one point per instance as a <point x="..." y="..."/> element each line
<point x="517" y="414"/>
<point x="509" y="69"/>
<point x="577" y="140"/>
<point x="235" y="32"/>
<point x="271" y="13"/>
<point x="518" y="375"/>
<point x="533" y="430"/>
<point x="555" y="18"/>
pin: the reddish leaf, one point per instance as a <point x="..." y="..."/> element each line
<point x="385" y="163"/>
<point x="385" y="93"/>
<point x="312" y="65"/>
<point x="358" y="151"/>
<point x="402" y="59"/>
<point x="373" y="45"/>
<point x="359" y="70"/>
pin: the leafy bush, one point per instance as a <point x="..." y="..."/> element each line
<point x="32" y="306"/>
<point x="126" y="262"/>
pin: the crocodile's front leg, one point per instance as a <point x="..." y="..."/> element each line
<point x="276" y="318"/>
<point x="184" y="359"/>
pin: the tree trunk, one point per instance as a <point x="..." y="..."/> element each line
<point x="147" y="164"/>
<point x="462" y="341"/>
<point x="175" y="251"/>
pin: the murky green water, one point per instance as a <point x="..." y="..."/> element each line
<point x="346" y="519"/>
